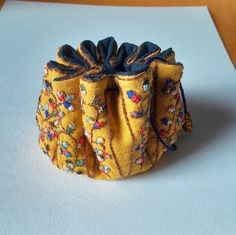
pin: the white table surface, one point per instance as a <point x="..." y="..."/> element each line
<point x="191" y="191"/>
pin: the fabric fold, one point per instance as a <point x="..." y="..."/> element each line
<point x="110" y="111"/>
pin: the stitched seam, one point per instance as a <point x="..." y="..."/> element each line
<point x="130" y="130"/>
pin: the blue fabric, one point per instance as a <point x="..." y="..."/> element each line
<point x="128" y="59"/>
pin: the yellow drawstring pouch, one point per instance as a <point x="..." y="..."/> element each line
<point x="111" y="112"/>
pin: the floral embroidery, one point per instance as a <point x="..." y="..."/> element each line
<point x="66" y="100"/>
<point x="169" y="82"/>
<point x="46" y="111"/>
<point x="163" y="132"/>
<point x="104" y="169"/>
<point x="68" y="145"/>
<point x="52" y="104"/>
<point x="52" y="124"/>
<point x="87" y="134"/>
<point x="141" y="147"/>
<point x="136" y="98"/>
<point x="68" y="105"/>
<point x="102" y="108"/>
<point x="90" y="120"/>
<point x="40" y="108"/>
<point x="96" y="100"/>
<point x="100" y="140"/>
<point x="143" y="131"/>
<point x="174" y="92"/>
<point x="46" y="85"/>
<point x="171" y="109"/>
<point x="145" y="85"/>
<point x="141" y="159"/>
<point x="81" y="142"/>
<point x="70" y="167"/>
<point x="65" y="144"/>
<point x="61" y="96"/>
<point x="64" y="149"/>
<point x="180" y="118"/>
<point x="51" y="134"/>
<point x="98" y="125"/>
<point x="83" y="90"/>
<point x="181" y="115"/>
<point x="102" y="155"/>
<point x="165" y="91"/>
<point x="172" y="140"/>
<point x="136" y="114"/>
<point x="61" y="114"/>
<point x="177" y="95"/>
<point x="70" y="128"/>
<point x="166" y="121"/>
<point x="82" y="103"/>
<point x="169" y="88"/>
<point x="133" y="96"/>
<point x="40" y="136"/>
<point x="80" y="162"/>
<point x="178" y="121"/>
<point x="54" y="113"/>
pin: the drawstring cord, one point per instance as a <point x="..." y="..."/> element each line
<point x="188" y="126"/>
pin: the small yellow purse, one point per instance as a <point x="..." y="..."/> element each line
<point x="111" y="112"/>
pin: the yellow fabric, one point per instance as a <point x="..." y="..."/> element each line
<point x="97" y="133"/>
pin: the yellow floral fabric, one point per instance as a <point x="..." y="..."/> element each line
<point x="110" y="112"/>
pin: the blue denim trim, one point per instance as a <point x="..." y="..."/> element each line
<point x="107" y="48"/>
<point x="61" y="67"/>
<point x="128" y="59"/>
<point x="90" y="49"/>
<point x="70" y="55"/>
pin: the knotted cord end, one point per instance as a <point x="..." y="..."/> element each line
<point x="188" y="125"/>
<point x="172" y="147"/>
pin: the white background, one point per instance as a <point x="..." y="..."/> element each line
<point x="191" y="191"/>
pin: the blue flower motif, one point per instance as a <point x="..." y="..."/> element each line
<point x="169" y="82"/>
<point x="130" y="94"/>
<point x="80" y="162"/>
<point x="165" y="121"/>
